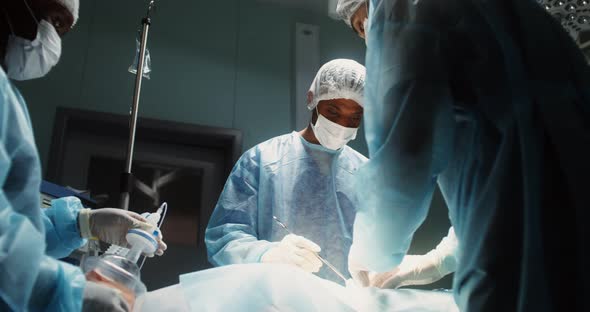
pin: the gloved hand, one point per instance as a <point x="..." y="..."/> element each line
<point x="110" y="225"/>
<point x="421" y="270"/>
<point x="414" y="270"/>
<point x="360" y="275"/>
<point x="98" y="298"/>
<point x="297" y="251"/>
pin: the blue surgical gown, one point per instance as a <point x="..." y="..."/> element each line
<point x="491" y="100"/>
<point x="308" y="187"/>
<point x="31" y="279"/>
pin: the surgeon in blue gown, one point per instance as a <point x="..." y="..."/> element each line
<point x="33" y="239"/>
<point x="414" y="269"/>
<point x="304" y="179"/>
<point x="491" y="100"/>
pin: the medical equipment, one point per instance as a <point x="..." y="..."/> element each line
<point x="147" y="69"/>
<point x="118" y="267"/>
<point x="51" y="191"/>
<point x="141" y="241"/>
<point x="126" y="176"/>
<point x="574" y="15"/>
<point x="328" y="264"/>
<point x="117" y="272"/>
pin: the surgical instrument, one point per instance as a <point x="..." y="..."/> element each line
<point x="328" y="264"/>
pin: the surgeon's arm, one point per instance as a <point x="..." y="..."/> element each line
<point x="29" y="279"/>
<point x="409" y="129"/>
<point x="231" y="235"/>
<point x="61" y="227"/>
<point x="422" y="269"/>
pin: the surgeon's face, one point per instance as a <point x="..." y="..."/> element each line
<point x="25" y="25"/>
<point x="344" y="112"/>
<point x="56" y="14"/>
<point x="358" y="19"/>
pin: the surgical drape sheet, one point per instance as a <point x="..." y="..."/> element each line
<point x="269" y="287"/>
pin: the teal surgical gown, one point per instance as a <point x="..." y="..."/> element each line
<point x="31" y="279"/>
<point x="308" y="187"/>
<point x="491" y="100"/>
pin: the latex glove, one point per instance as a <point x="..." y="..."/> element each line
<point x="110" y="225"/>
<point x="414" y="270"/>
<point x="295" y="250"/>
<point x="98" y="297"/>
<point x="409" y="272"/>
<point x="360" y="275"/>
<point x="422" y="270"/>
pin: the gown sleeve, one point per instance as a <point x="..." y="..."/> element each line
<point x="231" y="236"/>
<point x="409" y="129"/>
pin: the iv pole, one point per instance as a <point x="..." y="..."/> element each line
<point x="127" y="182"/>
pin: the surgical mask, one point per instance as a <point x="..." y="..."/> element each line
<point x="366" y="28"/>
<point x="26" y="59"/>
<point x="330" y="134"/>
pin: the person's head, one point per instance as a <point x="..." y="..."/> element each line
<point x="354" y="13"/>
<point x="336" y="99"/>
<point x="30" y="35"/>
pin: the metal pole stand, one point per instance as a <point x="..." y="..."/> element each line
<point x="127" y="180"/>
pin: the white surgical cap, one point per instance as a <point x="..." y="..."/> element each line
<point x="73" y="6"/>
<point x="338" y="79"/>
<point x="346" y="9"/>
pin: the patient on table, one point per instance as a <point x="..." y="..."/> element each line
<point x="276" y="287"/>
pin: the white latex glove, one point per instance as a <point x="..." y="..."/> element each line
<point x="110" y="225"/>
<point x="98" y="297"/>
<point x="360" y="275"/>
<point x="414" y="270"/>
<point x="421" y="270"/>
<point x="295" y="250"/>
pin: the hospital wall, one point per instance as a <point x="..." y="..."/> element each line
<point x="217" y="63"/>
